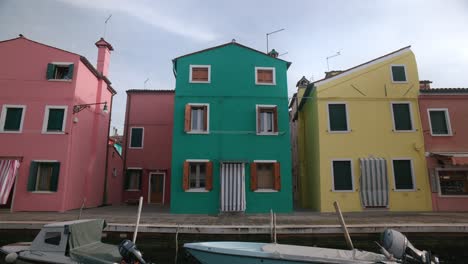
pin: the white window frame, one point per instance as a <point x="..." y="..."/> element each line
<point x="266" y="190"/>
<point x="207" y="119"/>
<point x="200" y="66"/>
<point x="142" y="138"/>
<point x="3" y="118"/>
<point x="413" y="125"/>
<point x="398" y="65"/>
<point x="265" y="68"/>
<point x="35" y="186"/>
<point x="437" y="171"/>
<point x="61" y="64"/>
<point x="199" y="190"/>
<point x="413" y="176"/>
<point x="447" y="121"/>
<point x="347" y="118"/>
<point x="257" y="130"/>
<point x="46" y="119"/>
<point x="134" y="168"/>
<point x="353" y="189"/>
<point x="149" y="185"/>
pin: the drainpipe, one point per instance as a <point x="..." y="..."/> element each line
<point x="104" y="196"/>
<point x="125" y="142"/>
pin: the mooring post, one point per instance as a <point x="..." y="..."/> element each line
<point x="271" y="225"/>
<point x="343" y="225"/>
<point x="140" y="204"/>
<point x="274" y="228"/>
<point x="81" y="208"/>
<point x="176" y="244"/>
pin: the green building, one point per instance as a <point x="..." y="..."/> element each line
<point x="231" y="145"/>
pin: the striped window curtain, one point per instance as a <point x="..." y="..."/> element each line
<point x="8" y="171"/>
<point x="374" y="182"/>
<point x="233" y="187"/>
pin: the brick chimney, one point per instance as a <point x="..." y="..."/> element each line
<point x="425" y="85"/>
<point x="104" y="49"/>
<point x="329" y="74"/>
<point x="273" y="53"/>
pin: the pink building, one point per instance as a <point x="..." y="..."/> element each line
<point x="147" y="145"/>
<point x="444" y="114"/>
<point x="53" y="126"/>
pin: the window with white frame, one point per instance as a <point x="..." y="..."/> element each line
<point x="439" y="122"/>
<point x="403" y="174"/>
<point x="267" y="119"/>
<point x="402" y="117"/>
<point x="133" y="179"/>
<point x="197" y="175"/>
<point x="136" y="137"/>
<point x="337" y="117"/>
<point x="200" y="73"/>
<point x="54" y="119"/>
<point x="342" y="171"/>
<point x="399" y="74"/>
<point x="265" y="75"/>
<point x="12" y="117"/>
<point x="196" y="118"/>
<point x="60" y="71"/>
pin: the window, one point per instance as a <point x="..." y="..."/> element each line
<point x="60" y="71"/>
<point x="11" y="119"/>
<point x="196" y="118"/>
<point x="133" y="179"/>
<point x="54" y="119"/>
<point x="267" y="119"/>
<point x="200" y="73"/>
<point x="342" y="171"/>
<point x="337" y="117"/>
<point x="265" y="175"/>
<point x="114" y="172"/>
<point x="265" y="76"/>
<point x="198" y="175"/>
<point x="439" y="122"/>
<point x="53" y="238"/>
<point x="43" y="176"/>
<point x="399" y="74"/>
<point x="136" y="137"/>
<point x="402" y="119"/>
<point x="403" y="174"/>
<point x="453" y="182"/>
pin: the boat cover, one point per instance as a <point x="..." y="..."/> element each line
<point x="323" y="255"/>
<point x="86" y="246"/>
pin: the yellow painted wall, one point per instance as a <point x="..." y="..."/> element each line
<point x="368" y="93"/>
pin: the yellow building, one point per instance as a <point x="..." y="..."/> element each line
<point x="360" y="140"/>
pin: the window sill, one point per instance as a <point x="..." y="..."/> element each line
<point x="135" y="147"/>
<point x="133" y="190"/>
<point x="266" y="191"/>
<point x="343" y="191"/>
<point x="267" y="134"/>
<point x="10" y="132"/>
<point x="59" y="80"/>
<point x="200" y="82"/>
<point x="54" y="133"/>
<point x="197" y="190"/>
<point x="405" y="190"/>
<point x="338" y="131"/>
<point x="268" y="84"/>
<point x="404" y="131"/>
<point x="441" y="135"/>
<point x="399" y="82"/>
<point x="42" y="192"/>
<point x="198" y="132"/>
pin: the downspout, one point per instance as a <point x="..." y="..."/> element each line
<point x="104" y="198"/>
<point x="125" y="143"/>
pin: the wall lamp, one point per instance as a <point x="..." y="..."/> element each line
<point x="78" y="108"/>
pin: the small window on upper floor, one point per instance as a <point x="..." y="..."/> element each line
<point x="267" y="120"/>
<point x="136" y="137"/>
<point x="11" y="119"/>
<point x="265" y="76"/>
<point x="200" y="73"/>
<point x="196" y="118"/>
<point x="399" y="74"/>
<point x="54" y="120"/>
<point x="60" y="71"/>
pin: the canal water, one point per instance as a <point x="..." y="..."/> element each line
<point x="161" y="248"/>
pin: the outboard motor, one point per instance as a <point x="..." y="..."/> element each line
<point x="399" y="246"/>
<point x="129" y="252"/>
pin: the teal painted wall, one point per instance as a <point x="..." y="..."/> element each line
<point x="232" y="96"/>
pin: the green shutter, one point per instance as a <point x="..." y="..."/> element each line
<point x="402" y="116"/>
<point x="139" y="179"/>
<point x="127" y="179"/>
<point x="342" y="175"/>
<point x="32" y="176"/>
<point x="70" y="72"/>
<point x="398" y="74"/>
<point x="55" y="122"/>
<point x="438" y="123"/>
<point x="13" y="119"/>
<point x="136" y="140"/>
<point x="403" y="174"/>
<point x="50" y="71"/>
<point x="337" y="117"/>
<point x="55" y="176"/>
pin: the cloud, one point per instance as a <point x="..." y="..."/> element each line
<point x="149" y="13"/>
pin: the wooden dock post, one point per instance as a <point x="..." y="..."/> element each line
<point x="138" y="220"/>
<point x="343" y="225"/>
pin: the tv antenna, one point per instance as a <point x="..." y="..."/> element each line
<point x="338" y="53"/>
<point x="283" y="54"/>
<point x="105" y="24"/>
<point x="144" y="84"/>
<point x="268" y="34"/>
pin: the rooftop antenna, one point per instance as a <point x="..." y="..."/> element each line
<point x="105" y="24"/>
<point x="283" y="54"/>
<point x="268" y="34"/>
<point x="338" y="53"/>
<point x="144" y="84"/>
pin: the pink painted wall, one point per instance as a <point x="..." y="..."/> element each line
<point x="457" y="106"/>
<point x="152" y="110"/>
<point x="114" y="181"/>
<point x="23" y="82"/>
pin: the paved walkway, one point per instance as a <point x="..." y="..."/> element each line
<point x="158" y="219"/>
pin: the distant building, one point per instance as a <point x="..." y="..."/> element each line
<point x="231" y="141"/>
<point x="148" y="146"/>
<point x="444" y="115"/>
<point x="360" y="140"/>
<point x="53" y="126"/>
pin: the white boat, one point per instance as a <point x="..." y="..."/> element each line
<point x="396" y="250"/>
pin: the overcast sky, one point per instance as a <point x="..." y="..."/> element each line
<point x="147" y="35"/>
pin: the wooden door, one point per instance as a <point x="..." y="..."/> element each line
<point x="157" y="187"/>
